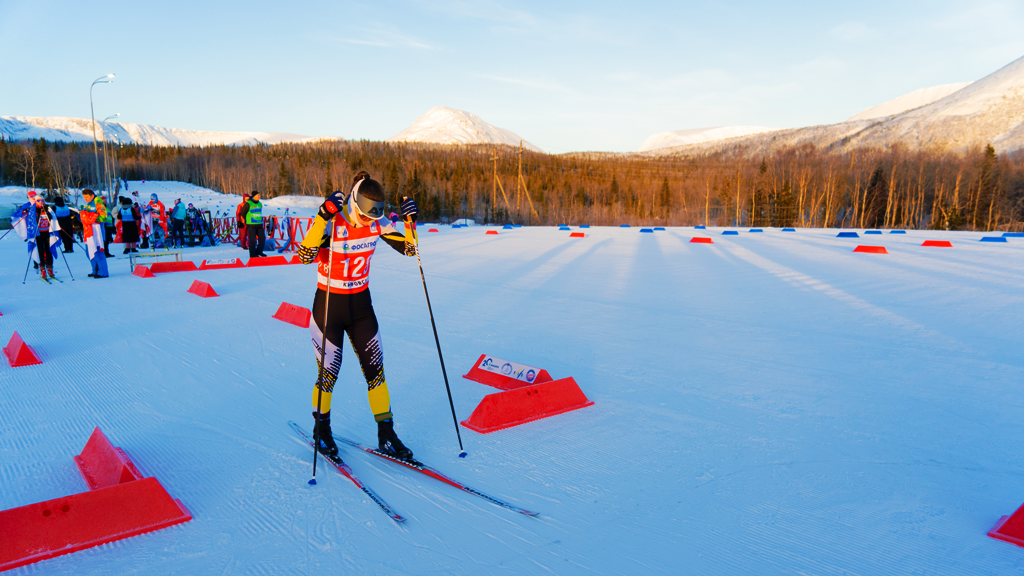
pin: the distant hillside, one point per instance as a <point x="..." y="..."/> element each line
<point x="990" y="110"/>
<point x="62" y="129"/>
<point x="443" y="125"/>
<point x="697" y="136"/>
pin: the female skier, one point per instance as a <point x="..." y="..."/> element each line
<point x="349" y="226"/>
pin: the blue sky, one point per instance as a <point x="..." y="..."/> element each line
<point x="566" y="76"/>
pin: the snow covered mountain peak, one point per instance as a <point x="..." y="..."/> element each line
<point x="444" y="125"/>
<point x="62" y="129"/>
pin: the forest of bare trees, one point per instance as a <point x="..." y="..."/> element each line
<point x="804" y="186"/>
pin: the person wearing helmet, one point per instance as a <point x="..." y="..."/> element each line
<point x="341" y="240"/>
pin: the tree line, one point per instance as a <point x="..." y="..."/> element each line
<point x="800" y="186"/>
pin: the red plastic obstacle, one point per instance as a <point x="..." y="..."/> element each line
<point x="20" y="354"/>
<point x="267" y="261"/>
<point x="938" y="243"/>
<point x="495" y="232"/>
<point x="162" y="267"/>
<point x="700" y="240"/>
<point x="577" y="235"/>
<point x="293" y="314"/>
<point x="221" y="264"/>
<point x="143" y="272"/>
<point x="120" y="504"/>
<point x="514" y="407"/>
<point x="202" y="289"/>
<point x="1010" y="528"/>
<point x="505" y="375"/>
<point x="103" y="465"/>
<point x="871" y="249"/>
<point x="432" y="230"/>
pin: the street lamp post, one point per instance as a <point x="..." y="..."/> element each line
<point x="95" y="151"/>
<point x="106" y="169"/>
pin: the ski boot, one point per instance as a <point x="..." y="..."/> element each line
<point x="49" y="270"/>
<point x="322" y="432"/>
<point x="43" y="271"/>
<point x="388" y="441"/>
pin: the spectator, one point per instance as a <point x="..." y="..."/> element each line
<point x="66" y="219"/>
<point x="108" y="226"/>
<point x="129" y="218"/>
<point x="252" y="211"/>
<point x="158" y="216"/>
<point x="192" y="218"/>
<point x="145" y="221"/>
<point x="178" y="224"/>
<point x="286" y="228"/>
<point x="92" y="230"/>
<point x="243" y="234"/>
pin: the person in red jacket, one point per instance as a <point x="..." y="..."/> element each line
<point x="243" y="233"/>
<point x="157" y="209"/>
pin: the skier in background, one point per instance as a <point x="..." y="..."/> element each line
<point x="286" y="228"/>
<point x="39" y="228"/>
<point x="129" y="219"/>
<point x="351" y="224"/>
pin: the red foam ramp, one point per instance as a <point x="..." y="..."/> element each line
<point x="577" y="235"/>
<point x="202" y="289"/>
<point x="871" y="249"/>
<point x="102" y="465"/>
<point x="937" y="243"/>
<point x="514" y="407"/>
<point x="267" y="261"/>
<point x="162" y="267"/>
<point x="20" y="354"/>
<point x="295" y="260"/>
<point x="293" y="314"/>
<point x="143" y="272"/>
<point x="495" y="232"/>
<point x="505" y="375"/>
<point x="72" y="523"/>
<point x="700" y="240"/>
<point x="1010" y="528"/>
<point x="221" y="264"/>
<point x="432" y="230"/>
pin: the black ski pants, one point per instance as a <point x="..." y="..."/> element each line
<point x="257" y="239"/>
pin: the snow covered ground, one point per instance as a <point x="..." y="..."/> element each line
<point x="769" y="404"/>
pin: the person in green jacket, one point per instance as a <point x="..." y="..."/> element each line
<point x="252" y="213"/>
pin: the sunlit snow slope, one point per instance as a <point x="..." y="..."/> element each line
<point x="443" y="125"/>
<point x="909" y="101"/>
<point x="770" y="404"/>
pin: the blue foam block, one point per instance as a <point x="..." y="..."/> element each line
<point x="517" y="225"/>
<point x="699" y="227"/>
<point x="506" y="227"/>
<point x="897" y="231"/>
<point x="789" y="229"/>
<point x="872" y="231"/>
<point x="659" y="229"/>
<point x="730" y="233"/>
<point x="1013" y="234"/>
<point x="647" y="230"/>
<point x="564" y="229"/>
<point x="584" y="225"/>
<point x="756" y="230"/>
<point x="993" y="239"/>
<point x="623" y="225"/>
<point x="847" y="235"/>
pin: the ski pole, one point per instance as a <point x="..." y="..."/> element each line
<point x="25" y="277"/>
<point x="323" y="342"/>
<point x="451" y="403"/>
<point x="68" y="265"/>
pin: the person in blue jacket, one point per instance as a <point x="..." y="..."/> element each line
<point x="178" y="223"/>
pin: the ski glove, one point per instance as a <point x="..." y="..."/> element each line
<point x="331" y="206"/>
<point x="410" y="209"/>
